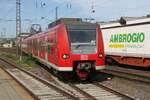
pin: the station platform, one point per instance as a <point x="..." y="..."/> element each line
<point x="10" y="89"/>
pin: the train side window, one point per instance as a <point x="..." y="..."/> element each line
<point x="30" y="44"/>
<point x="42" y="44"/>
<point x="36" y="43"/>
<point x="55" y="38"/>
<point x="40" y="48"/>
<point x="48" y="45"/>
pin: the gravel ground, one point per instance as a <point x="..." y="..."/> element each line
<point x="144" y="72"/>
<point x="135" y="89"/>
<point x="138" y="90"/>
<point x="41" y="72"/>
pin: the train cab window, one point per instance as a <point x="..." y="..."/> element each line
<point x="82" y="39"/>
<point x="82" y="36"/>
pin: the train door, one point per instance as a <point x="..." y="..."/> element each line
<point x="55" y="47"/>
<point x="43" y="47"/>
<point x="38" y="47"/>
<point x="46" y="48"/>
<point x="51" y="47"/>
<point x="32" y="46"/>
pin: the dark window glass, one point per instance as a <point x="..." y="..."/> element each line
<point x="82" y="39"/>
<point x="82" y="36"/>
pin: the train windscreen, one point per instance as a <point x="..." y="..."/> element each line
<point x="82" y="39"/>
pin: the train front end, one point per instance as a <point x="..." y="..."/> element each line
<point x="86" y="48"/>
<point x="85" y="51"/>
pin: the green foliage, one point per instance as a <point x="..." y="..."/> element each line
<point x="27" y="61"/>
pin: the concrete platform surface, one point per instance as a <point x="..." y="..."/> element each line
<point x="10" y="89"/>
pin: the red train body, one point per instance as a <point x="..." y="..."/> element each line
<point x="68" y="47"/>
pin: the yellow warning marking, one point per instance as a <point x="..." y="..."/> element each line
<point x="116" y="46"/>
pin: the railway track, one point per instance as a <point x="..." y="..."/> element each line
<point x="10" y="50"/>
<point x="61" y="90"/>
<point x="93" y="91"/>
<point x="96" y="91"/>
<point x="39" y="88"/>
<point x="130" y="74"/>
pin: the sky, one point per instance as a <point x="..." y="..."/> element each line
<point x="43" y="12"/>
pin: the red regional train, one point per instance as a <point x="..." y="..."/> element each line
<point x="69" y="46"/>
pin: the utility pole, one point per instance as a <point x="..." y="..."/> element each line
<point x="57" y="8"/>
<point x="18" y="27"/>
<point x="4" y="33"/>
<point x="56" y="12"/>
<point x="1" y="35"/>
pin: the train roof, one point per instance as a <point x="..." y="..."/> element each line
<point x="127" y="21"/>
<point x="24" y="35"/>
<point x="69" y="21"/>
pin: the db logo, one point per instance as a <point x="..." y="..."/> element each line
<point x="84" y="57"/>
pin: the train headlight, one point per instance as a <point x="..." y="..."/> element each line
<point x="100" y="55"/>
<point x="65" y="56"/>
